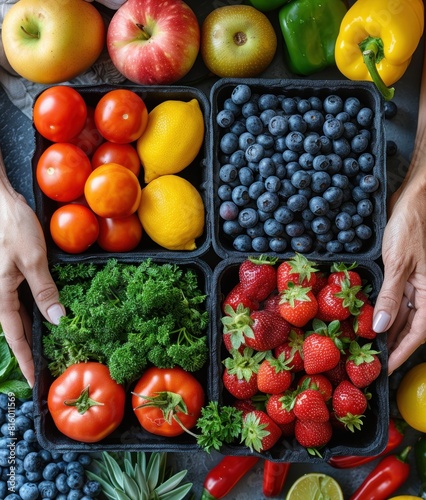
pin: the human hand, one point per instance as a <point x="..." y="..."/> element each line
<point x="23" y="257"/>
<point x="401" y="304"/>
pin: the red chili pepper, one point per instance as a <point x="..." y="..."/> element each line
<point x="388" y="475"/>
<point x="396" y="435"/>
<point x="274" y="476"/>
<point x="225" y="475"/>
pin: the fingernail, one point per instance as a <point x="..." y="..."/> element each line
<point x="381" y="321"/>
<point x="55" y="313"/>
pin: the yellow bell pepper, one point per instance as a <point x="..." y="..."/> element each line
<point x="377" y="40"/>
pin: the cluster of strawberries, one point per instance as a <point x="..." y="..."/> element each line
<point x="300" y="339"/>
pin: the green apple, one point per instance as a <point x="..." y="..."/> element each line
<point x="52" y="41"/>
<point x="237" y="41"/>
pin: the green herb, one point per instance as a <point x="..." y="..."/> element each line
<point x="11" y="378"/>
<point x="128" y="316"/>
<point x="218" y="425"/>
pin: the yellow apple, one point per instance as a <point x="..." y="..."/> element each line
<point x="237" y="41"/>
<point x="52" y="41"/>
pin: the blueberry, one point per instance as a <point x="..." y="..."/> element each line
<point x="268" y="201"/>
<point x="289" y="105"/>
<point x="249" y="108"/>
<point x="352" y="106"/>
<point x="266" y="141"/>
<point x="22" y="448"/>
<point x="306" y="192"/>
<point x="75" y="495"/>
<point x="273" y="228"/>
<point x="296" y="123"/>
<point x="365" y="207"/>
<point x="266" y="116"/>
<point x="294" y="141"/>
<point x="33" y="462"/>
<point x="350" y="167"/>
<point x="390" y="109"/>
<point x="290" y="156"/>
<point x="51" y="471"/>
<point x="326" y="144"/>
<point x="254" y="125"/>
<point x="343" y="221"/>
<point x="241" y="93"/>
<point x="232" y="228"/>
<point x="248" y="217"/>
<point x="272" y="184"/>
<point x="92" y="488"/>
<point x="224" y="193"/>
<point x="47" y="489"/>
<point x="365" y="117"/>
<point x="321" y="225"/>
<point x="369" y="183"/>
<point x="391" y="148"/>
<point x="256" y="189"/>
<point x="363" y="232"/>
<point x="33" y="477"/>
<point x="237" y="158"/>
<point x="349" y="207"/>
<point x="335" y="163"/>
<point x="346" y="235"/>
<point x="318" y="205"/>
<point x="320" y="181"/>
<point x="334" y="246"/>
<point x="238" y="127"/>
<point x="366" y="162"/>
<point x="240" y="195"/>
<point x="306" y="160"/>
<point x="340" y="180"/>
<point x="312" y="144"/>
<point x="70" y="456"/>
<point x="17" y="481"/>
<point x="229" y="143"/>
<point x="303" y="105"/>
<point x="278" y="244"/>
<point x="230" y="105"/>
<point x="246" y="176"/>
<point x="297" y="203"/>
<point x="343" y="116"/>
<point x="334" y="196"/>
<point x="267" y="167"/>
<point x="325" y="237"/>
<point x="350" y="130"/>
<point x="300" y="179"/>
<point x="333" y="128"/>
<point x="353" y="246"/>
<point x="257" y="230"/>
<point x="225" y="118"/>
<point x="287" y="189"/>
<point x="314" y="120"/>
<point x="359" y="143"/>
<point x="341" y="147"/>
<point x="295" y="228"/>
<point x="228" y="173"/>
<point x="291" y="168"/>
<point x="333" y="104"/>
<point x="75" y="480"/>
<point x="316" y="103"/>
<point x="302" y="243"/>
<point x="278" y="125"/>
<point x="321" y="162"/>
<point x="242" y="243"/>
<point x="29" y="491"/>
<point x="268" y="101"/>
<point x="283" y="214"/>
<point x="30" y="436"/>
<point x="12" y="496"/>
<point x="255" y="152"/>
<point x="245" y="140"/>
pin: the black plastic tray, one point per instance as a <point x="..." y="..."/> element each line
<point x="366" y="93"/>
<point x="129" y="436"/>
<point x="198" y="172"/>
<point x="373" y="436"/>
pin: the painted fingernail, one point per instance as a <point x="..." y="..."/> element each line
<point x="55" y="313"/>
<point x="381" y="321"/>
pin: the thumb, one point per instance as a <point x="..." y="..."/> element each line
<point x="389" y="300"/>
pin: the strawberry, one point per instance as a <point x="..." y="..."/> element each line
<point x="240" y="374"/>
<point x="258" y="276"/>
<point x="338" y="373"/>
<point x="292" y="349"/>
<point x="341" y="271"/>
<point x="309" y="404"/>
<point x="274" y="375"/>
<point x="298" y="270"/>
<point x="244" y="405"/>
<point x="320" y="353"/>
<point x="312" y="434"/>
<point x="298" y="304"/>
<point x="259" y="431"/>
<point x="238" y="296"/>
<point x="227" y="342"/>
<point x="319" y="382"/>
<point x="338" y="302"/>
<point x="320" y="282"/>
<point x="277" y="409"/>
<point x="261" y="330"/>
<point x="272" y="302"/>
<point x="349" y="405"/>
<point x="347" y="330"/>
<point x="288" y="429"/>
<point x="362" y="365"/>
<point x="363" y="323"/>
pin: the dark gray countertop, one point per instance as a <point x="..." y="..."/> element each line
<point x="17" y="143"/>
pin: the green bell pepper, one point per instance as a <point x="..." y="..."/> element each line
<point x="266" y="5"/>
<point x="310" y="29"/>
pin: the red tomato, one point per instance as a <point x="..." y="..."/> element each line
<point x="121" y="116"/>
<point x="74" y="228"/>
<point x="59" y="113"/>
<point x="112" y="190"/>
<point x="123" y="154"/>
<point x="162" y="380"/>
<point x="62" y="171"/>
<point x="119" y="235"/>
<point x="74" y="415"/>
<point x="89" y="137"/>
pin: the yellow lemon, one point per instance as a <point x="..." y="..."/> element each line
<point x="172" y="212"/>
<point x="411" y="397"/>
<point x="315" y="485"/>
<point x="172" y="138"/>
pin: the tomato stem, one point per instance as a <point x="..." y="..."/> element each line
<point x="83" y="402"/>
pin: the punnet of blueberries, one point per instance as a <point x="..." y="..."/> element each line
<point x="296" y="173"/>
<point x="29" y="472"/>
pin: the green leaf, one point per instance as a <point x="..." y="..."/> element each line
<point x="5" y="355"/>
<point x="119" y="495"/>
<point x="114" y="472"/>
<point x="153" y="470"/>
<point x="131" y="489"/>
<point x="20" y="388"/>
<point x="178" y="493"/>
<point x="171" y="483"/>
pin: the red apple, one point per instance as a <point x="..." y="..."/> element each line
<point x="153" y="41"/>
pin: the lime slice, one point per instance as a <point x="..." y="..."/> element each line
<point x="315" y="486"/>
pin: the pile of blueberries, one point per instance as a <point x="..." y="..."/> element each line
<point x="29" y="472"/>
<point x="295" y="173"/>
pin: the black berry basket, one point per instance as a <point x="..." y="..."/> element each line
<point x="298" y="166"/>
<point x="372" y="436"/>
